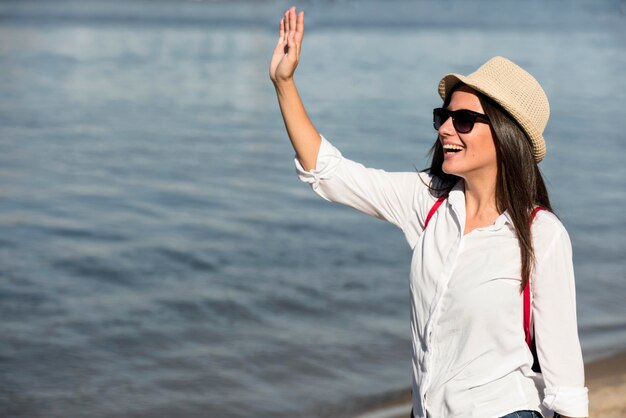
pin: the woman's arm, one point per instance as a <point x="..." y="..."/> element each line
<point x="304" y="137"/>
<point x="393" y="197"/>
<point x="554" y="316"/>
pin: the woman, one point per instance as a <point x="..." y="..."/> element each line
<point x="481" y="228"/>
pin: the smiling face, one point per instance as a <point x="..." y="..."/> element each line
<point x="477" y="157"/>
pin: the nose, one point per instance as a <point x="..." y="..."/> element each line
<point x="447" y="128"/>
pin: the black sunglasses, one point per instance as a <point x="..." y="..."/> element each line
<point x="463" y="120"/>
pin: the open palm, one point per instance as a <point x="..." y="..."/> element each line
<point x="287" y="51"/>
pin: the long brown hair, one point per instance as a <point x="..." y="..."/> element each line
<point x="519" y="184"/>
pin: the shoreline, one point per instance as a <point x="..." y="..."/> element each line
<point x="605" y="378"/>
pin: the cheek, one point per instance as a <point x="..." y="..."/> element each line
<point x="482" y="151"/>
<point x="487" y="145"/>
<point x="492" y="149"/>
<point x="488" y="153"/>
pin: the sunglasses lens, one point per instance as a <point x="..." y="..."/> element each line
<point x="439" y="117"/>
<point x="463" y="122"/>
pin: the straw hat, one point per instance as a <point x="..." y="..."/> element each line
<point x="513" y="89"/>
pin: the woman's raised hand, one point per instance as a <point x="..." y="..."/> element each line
<point x="287" y="52"/>
<point x="303" y="135"/>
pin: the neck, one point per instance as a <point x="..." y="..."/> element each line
<point x="480" y="197"/>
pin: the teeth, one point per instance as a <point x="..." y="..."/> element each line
<point x="452" y="147"/>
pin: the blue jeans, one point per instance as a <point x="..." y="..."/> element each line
<point x="523" y="414"/>
<point x="516" y="414"/>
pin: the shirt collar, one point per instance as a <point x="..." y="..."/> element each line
<point x="456" y="199"/>
<point x="506" y="218"/>
<point x="457" y="194"/>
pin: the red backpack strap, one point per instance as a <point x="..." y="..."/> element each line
<point x="527" y="292"/>
<point x="527" y="313"/>
<point x="434" y="209"/>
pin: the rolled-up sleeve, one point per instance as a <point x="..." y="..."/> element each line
<point x="398" y="198"/>
<point x="328" y="158"/>
<point x="556" y="331"/>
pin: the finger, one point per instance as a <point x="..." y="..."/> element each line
<point x="281" y="32"/>
<point x="292" y="19"/>
<point x="291" y="44"/>
<point x="300" y="26"/>
<point x="287" y="21"/>
<point x="299" y="31"/>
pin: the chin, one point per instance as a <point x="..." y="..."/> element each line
<point x="451" y="170"/>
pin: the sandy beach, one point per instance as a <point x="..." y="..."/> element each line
<point x="605" y="378"/>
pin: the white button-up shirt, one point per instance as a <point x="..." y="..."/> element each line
<point x="469" y="355"/>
